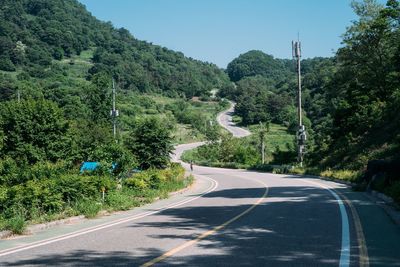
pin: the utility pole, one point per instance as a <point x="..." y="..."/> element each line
<point x="114" y="112"/>
<point x="262" y="134"/>
<point x="301" y="134"/>
<point x="18" y="96"/>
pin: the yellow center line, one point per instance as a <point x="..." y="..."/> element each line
<point x="362" y="245"/>
<point x="205" y="234"/>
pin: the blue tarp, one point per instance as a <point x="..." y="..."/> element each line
<point x="89" y="166"/>
<point x="92" y="165"/>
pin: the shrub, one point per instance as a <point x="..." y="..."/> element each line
<point x="347" y="175"/>
<point x="35" y="194"/>
<point x="89" y="208"/>
<point x="120" y="200"/>
<point x="45" y="169"/>
<point x="156" y="178"/>
<point x="16" y="224"/>
<point x="3" y="197"/>
<point x="75" y="187"/>
<point x="136" y="183"/>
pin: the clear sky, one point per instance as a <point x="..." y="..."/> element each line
<point x="217" y="31"/>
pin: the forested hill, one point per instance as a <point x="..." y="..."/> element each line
<point x="36" y="33"/>
<point x="256" y="62"/>
<point x="351" y="101"/>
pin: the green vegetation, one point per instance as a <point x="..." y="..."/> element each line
<point x="36" y="36"/>
<point x="55" y="192"/>
<point x="246" y="152"/>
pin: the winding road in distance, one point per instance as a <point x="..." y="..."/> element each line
<point x="227" y="218"/>
<point x="225" y="120"/>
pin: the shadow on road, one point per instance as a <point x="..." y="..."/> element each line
<point x="293" y="226"/>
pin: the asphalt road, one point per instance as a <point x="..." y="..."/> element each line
<point x="225" y="120"/>
<point x="227" y="218"/>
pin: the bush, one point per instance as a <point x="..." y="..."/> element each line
<point x="74" y="187"/>
<point x="136" y="183"/>
<point x="16" y="224"/>
<point x="346" y="175"/>
<point x="89" y="208"/>
<point x="34" y="195"/>
<point x="154" y="178"/>
<point x="45" y="169"/>
<point x="120" y="200"/>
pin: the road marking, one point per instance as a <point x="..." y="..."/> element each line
<point x="362" y="246"/>
<point x="206" y="234"/>
<point x="345" y="247"/>
<point x="5" y="252"/>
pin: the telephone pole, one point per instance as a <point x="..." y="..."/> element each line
<point x="114" y="112"/>
<point x="301" y="134"/>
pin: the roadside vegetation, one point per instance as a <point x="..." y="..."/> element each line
<point x="55" y="191"/>
<point x="245" y="152"/>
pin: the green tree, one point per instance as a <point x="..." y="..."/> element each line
<point x="35" y="130"/>
<point x="98" y="97"/>
<point x="151" y="143"/>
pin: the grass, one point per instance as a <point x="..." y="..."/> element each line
<point x="90" y="208"/>
<point x="277" y="137"/>
<point x="209" y="108"/>
<point x="279" y="146"/>
<point x="160" y="99"/>
<point x="16" y="224"/>
<point x="186" y="134"/>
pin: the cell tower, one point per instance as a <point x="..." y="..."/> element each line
<point x="301" y="134"/>
<point x="114" y="112"/>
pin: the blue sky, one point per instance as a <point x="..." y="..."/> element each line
<point x="217" y="31"/>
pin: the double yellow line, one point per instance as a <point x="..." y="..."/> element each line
<point x="363" y="251"/>
<point x="205" y="234"/>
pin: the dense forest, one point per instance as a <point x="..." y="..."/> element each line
<point x="35" y="33"/>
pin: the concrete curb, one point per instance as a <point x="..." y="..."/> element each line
<point x="5" y="234"/>
<point x="31" y="229"/>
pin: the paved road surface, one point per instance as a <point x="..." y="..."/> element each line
<point x="225" y="120"/>
<point x="227" y="218"/>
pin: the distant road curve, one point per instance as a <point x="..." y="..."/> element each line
<point x="225" y="120"/>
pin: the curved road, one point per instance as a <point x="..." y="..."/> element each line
<point x="227" y="218"/>
<point x="225" y="120"/>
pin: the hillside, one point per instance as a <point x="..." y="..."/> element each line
<point x="35" y="36"/>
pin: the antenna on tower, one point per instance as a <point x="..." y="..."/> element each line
<point x="114" y="112"/>
<point x="301" y="134"/>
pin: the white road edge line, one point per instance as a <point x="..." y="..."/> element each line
<point x="5" y="252"/>
<point x="345" y="247"/>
